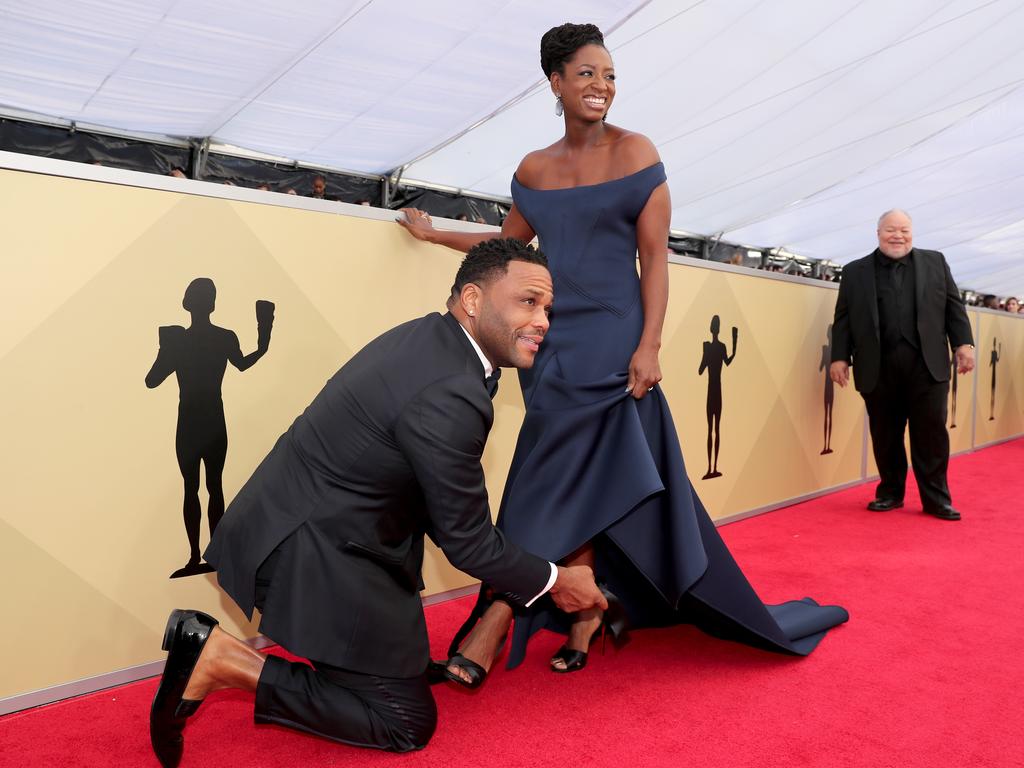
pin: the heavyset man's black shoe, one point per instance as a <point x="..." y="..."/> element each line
<point x="945" y="512"/>
<point x="884" y="505"/>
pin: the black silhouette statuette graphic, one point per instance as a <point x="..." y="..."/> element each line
<point x="997" y="355"/>
<point x="715" y="355"/>
<point x="952" y="392"/>
<point x="830" y="389"/>
<point x="198" y="356"/>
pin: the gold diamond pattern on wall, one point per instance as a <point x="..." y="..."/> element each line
<point x="91" y="507"/>
<point x="94" y="495"/>
<point x="96" y="486"/>
<point x="61" y="620"/>
<point x="773" y="392"/>
<point x="45" y="265"/>
<point x="1000" y="359"/>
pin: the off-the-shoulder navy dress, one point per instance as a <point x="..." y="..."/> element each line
<point x="592" y="463"/>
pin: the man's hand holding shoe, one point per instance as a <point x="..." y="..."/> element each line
<point x="575" y="590"/>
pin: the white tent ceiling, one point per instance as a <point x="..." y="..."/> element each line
<point x="788" y="123"/>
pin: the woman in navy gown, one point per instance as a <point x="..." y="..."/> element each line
<point x="598" y="478"/>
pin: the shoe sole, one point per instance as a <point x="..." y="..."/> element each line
<point x="887" y="509"/>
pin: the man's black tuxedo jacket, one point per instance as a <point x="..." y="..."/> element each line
<point x="941" y="319"/>
<point x="389" y="450"/>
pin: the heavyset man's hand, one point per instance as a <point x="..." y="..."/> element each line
<point x="839" y="372"/>
<point x="965" y="358"/>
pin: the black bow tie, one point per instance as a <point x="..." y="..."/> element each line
<point x="491" y="382"/>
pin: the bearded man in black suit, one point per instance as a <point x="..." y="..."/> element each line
<point x="897" y="316"/>
<point x="326" y="538"/>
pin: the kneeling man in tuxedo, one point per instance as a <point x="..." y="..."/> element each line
<point x="326" y="538"/>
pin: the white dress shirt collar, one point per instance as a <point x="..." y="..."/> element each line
<point x="488" y="368"/>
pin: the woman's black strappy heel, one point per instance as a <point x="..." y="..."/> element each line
<point x="614" y="622"/>
<point x="476" y="673"/>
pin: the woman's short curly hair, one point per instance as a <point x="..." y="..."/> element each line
<point x="559" y="44"/>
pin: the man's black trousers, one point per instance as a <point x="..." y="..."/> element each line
<point x="397" y="714"/>
<point x="907" y="394"/>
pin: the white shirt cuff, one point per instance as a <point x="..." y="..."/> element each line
<point x="548" y="586"/>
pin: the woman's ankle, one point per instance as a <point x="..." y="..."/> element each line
<point x="583" y="629"/>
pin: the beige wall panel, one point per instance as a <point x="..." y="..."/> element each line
<point x="1000" y="354"/>
<point x="93" y="499"/>
<point x="772" y="427"/>
<point x="95" y="482"/>
<point x="59" y="627"/>
<point x="40" y="273"/>
<point x="90" y="507"/>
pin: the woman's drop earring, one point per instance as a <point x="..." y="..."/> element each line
<point x="558" y="106"/>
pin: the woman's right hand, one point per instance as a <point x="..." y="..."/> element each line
<point x="417" y="223"/>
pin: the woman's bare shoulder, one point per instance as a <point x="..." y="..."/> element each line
<point x="635" y="151"/>
<point x="532" y="166"/>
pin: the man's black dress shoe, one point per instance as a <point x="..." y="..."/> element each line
<point x="945" y="512"/>
<point x="884" y="505"/>
<point x="184" y="637"/>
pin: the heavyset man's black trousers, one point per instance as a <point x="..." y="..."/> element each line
<point x="906" y="394"/>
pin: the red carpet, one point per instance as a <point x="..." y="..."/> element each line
<point x="928" y="672"/>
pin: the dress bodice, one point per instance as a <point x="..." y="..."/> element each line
<point x="588" y="233"/>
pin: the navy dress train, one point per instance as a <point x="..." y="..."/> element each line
<point x="593" y="464"/>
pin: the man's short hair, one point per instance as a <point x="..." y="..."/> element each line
<point x="891" y="211"/>
<point x="489" y="259"/>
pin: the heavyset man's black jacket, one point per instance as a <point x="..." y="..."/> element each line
<point x="388" y="451"/>
<point x="941" y="318"/>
